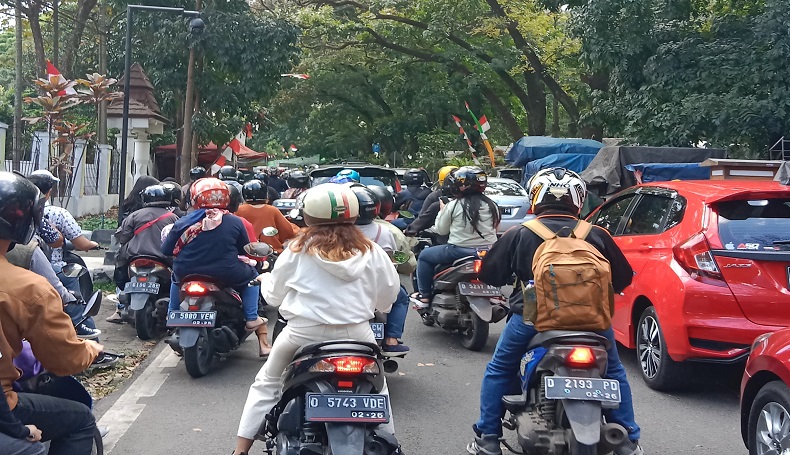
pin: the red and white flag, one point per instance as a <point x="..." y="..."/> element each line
<point x="461" y="130"/>
<point x="226" y="157"/>
<point x="484" y="123"/>
<point x="296" y="75"/>
<point x="293" y="148"/>
<point x="53" y="72"/>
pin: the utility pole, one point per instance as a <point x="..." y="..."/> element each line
<point x="103" y="31"/>
<point x="16" y="152"/>
<point x="55" y="34"/>
<point x="189" y="112"/>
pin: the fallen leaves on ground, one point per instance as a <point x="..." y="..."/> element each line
<point x="102" y="382"/>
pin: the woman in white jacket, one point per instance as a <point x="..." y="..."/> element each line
<point x="327" y="283"/>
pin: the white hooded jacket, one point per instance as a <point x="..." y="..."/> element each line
<point x="313" y="291"/>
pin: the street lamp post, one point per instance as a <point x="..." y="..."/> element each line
<point x="196" y="25"/>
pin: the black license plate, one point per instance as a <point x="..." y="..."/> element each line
<point x="478" y="290"/>
<point x="592" y="389"/>
<point x="507" y="210"/>
<point x="347" y="408"/>
<point x="191" y="318"/>
<point x="140" y="286"/>
<point x="378" y="330"/>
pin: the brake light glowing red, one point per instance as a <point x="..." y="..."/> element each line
<point x="143" y="263"/>
<point x="142" y="279"/>
<point x="195" y="288"/>
<point x="580" y="357"/>
<point x="695" y="256"/>
<point x="345" y="384"/>
<point x="478" y="265"/>
<point x="351" y="365"/>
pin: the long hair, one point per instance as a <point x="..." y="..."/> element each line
<point x="471" y="204"/>
<point x="133" y="202"/>
<point x="336" y="242"/>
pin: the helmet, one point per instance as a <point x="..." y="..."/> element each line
<point x="330" y="204"/>
<point x="369" y="204"/>
<point x="210" y="193"/>
<point x="21" y="208"/>
<point x="348" y="174"/>
<point x="467" y="180"/>
<point x="43" y="179"/>
<point x="197" y="172"/>
<point x="557" y="188"/>
<point x="255" y="191"/>
<point x="174" y="192"/>
<point x="155" y="196"/>
<point x="236" y="200"/>
<point x="227" y="173"/>
<point x="414" y="177"/>
<point x="444" y="172"/>
<point x="386" y="199"/>
<point x="263" y="177"/>
<point x="298" y="179"/>
<point x="273" y="171"/>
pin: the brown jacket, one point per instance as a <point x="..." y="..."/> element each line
<point x="31" y="309"/>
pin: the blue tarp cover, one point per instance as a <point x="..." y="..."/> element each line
<point x="573" y="161"/>
<point x="664" y="172"/>
<point x="530" y="148"/>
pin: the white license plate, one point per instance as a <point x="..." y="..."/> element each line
<point x="343" y="407"/>
<point x="191" y="318"/>
<point x="478" y="290"/>
<point x="378" y="330"/>
<point x="142" y="286"/>
<point x="591" y="389"/>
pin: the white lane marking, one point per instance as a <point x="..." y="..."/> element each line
<point x="126" y="410"/>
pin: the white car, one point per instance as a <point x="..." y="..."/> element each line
<point x="513" y="202"/>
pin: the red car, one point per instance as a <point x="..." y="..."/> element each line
<point x="765" y="397"/>
<point x="712" y="270"/>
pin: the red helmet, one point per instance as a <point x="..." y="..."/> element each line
<point x="210" y="193"/>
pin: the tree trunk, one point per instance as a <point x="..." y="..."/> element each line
<point x="17" y="150"/>
<point x="84" y="10"/>
<point x="33" y="12"/>
<point x="536" y="107"/>
<point x="555" y="117"/>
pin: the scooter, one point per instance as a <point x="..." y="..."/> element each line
<point x="559" y="411"/>
<point x="331" y="403"/>
<point x="146" y="295"/>
<point x="210" y="320"/>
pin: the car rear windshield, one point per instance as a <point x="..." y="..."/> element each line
<point x="505" y="189"/>
<point x="755" y="224"/>
<point x="367" y="181"/>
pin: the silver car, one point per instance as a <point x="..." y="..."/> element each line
<point x="513" y="202"/>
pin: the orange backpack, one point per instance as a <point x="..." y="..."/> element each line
<point x="573" y="281"/>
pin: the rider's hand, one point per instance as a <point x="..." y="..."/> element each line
<point x="98" y="348"/>
<point x="35" y="433"/>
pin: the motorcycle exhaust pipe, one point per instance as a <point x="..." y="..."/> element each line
<point x="390" y="366"/>
<point x="612" y="436"/>
<point x="221" y="341"/>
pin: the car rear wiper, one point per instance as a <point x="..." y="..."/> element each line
<point x="781" y="242"/>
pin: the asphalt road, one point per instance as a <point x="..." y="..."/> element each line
<point x="435" y="400"/>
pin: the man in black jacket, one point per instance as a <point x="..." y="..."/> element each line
<point x="557" y="197"/>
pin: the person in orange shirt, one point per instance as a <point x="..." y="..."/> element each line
<point x="261" y="215"/>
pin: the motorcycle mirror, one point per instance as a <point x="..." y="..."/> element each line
<point x="258" y="250"/>
<point x="270" y="231"/>
<point x="93" y="305"/>
<point x="73" y="270"/>
<point x="294" y="214"/>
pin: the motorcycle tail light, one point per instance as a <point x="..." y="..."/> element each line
<point x="346" y="365"/>
<point x="138" y="264"/>
<point x="580" y="357"/>
<point x="196" y="288"/>
<point x="345" y="384"/>
<point x="142" y="279"/>
<point x="478" y="264"/>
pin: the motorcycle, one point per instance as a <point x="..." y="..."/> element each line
<point x="85" y="278"/>
<point x="559" y="411"/>
<point x="331" y="403"/>
<point x="146" y="295"/>
<point x="461" y="303"/>
<point x="210" y="320"/>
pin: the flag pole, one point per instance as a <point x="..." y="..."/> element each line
<point x="482" y="135"/>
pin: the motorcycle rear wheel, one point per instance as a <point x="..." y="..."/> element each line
<point x="475" y="336"/>
<point x="198" y="358"/>
<point x="145" y="322"/>
<point x="581" y="449"/>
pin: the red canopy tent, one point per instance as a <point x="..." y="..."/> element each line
<point x="207" y="155"/>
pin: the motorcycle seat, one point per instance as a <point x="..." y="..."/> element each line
<point x="442" y="267"/>
<point x="550" y="337"/>
<point x="337" y="346"/>
<point x="203" y="278"/>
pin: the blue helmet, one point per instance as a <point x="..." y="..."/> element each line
<point x="348" y="174"/>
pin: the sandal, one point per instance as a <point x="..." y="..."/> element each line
<point x="419" y="301"/>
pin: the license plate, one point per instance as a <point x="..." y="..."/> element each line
<point x="507" y="210"/>
<point x="378" y="330"/>
<point x="191" y="318"/>
<point x="478" y="290"/>
<point x="592" y="389"/>
<point x="347" y="408"/>
<point x="139" y="286"/>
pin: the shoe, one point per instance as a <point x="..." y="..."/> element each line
<point x="629" y="448"/>
<point x="488" y="444"/>
<point x="417" y="301"/>
<point x="115" y="318"/>
<point x="87" y="333"/>
<point x="104" y="361"/>
<point x="262" y="332"/>
<point x="394" y="351"/>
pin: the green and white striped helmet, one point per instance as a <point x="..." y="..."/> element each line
<point x="330" y="203"/>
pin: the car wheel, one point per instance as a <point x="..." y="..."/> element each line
<point x="659" y="371"/>
<point x="769" y="420"/>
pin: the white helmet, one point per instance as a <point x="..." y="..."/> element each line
<point x="557" y="187"/>
<point x="330" y="203"/>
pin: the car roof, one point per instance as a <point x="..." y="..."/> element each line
<point x="502" y="180"/>
<point x="711" y="191"/>
<point x="356" y="167"/>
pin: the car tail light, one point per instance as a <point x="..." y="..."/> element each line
<point x="580" y="357"/>
<point x="139" y="264"/>
<point x="346" y="365"/>
<point x="695" y="256"/>
<point x="478" y="264"/>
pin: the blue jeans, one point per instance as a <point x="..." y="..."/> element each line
<point x="67" y="424"/>
<point x="501" y="378"/>
<point x="434" y="256"/>
<point x="402" y="223"/>
<point x="396" y="319"/>
<point x="249" y="300"/>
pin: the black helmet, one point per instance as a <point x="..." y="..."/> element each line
<point x="155" y="196"/>
<point x="197" y="172"/>
<point x="255" y="191"/>
<point x="298" y="179"/>
<point x="236" y="199"/>
<point x="173" y="190"/>
<point x="227" y="173"/>
<point x="467" y="180"/>
<point x="21" y="208"/>
<point x="263" y="177"/>
<point x="386" y="199"/>
<point x="369" y="204"/>
<point x="414" y="177"/>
